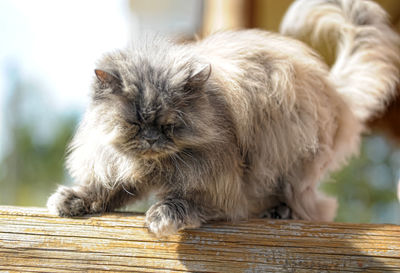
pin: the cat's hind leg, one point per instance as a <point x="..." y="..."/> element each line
<point x="310" y="204"/>
<point x="299" y="190"/>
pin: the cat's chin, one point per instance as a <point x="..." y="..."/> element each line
<point x="151" y="155"/>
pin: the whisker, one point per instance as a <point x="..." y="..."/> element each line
<point x="187" y="154"/>
<point x="181" y="159"/>
<point x="180" y="114"/>
<point x="176" y="165"/>
<point x="128" y="192"/>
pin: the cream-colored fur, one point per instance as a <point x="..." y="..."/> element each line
<point x="365" y="72"/>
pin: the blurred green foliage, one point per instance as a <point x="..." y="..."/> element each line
<point x="30" y="170"/>
<point x="366" y="187"/>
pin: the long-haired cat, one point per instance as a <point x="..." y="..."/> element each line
<point x="234" y="126"/>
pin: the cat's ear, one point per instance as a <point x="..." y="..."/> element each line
<point x="107" y="78"/>
<point x="199" y="76"/>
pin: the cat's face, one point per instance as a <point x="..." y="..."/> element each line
<point x="151" y="113"/>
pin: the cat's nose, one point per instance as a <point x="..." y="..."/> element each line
<point x="151" y="135"/>
<point x="151" y="141"/>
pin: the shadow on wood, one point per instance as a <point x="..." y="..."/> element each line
<point x="33" y="240"/>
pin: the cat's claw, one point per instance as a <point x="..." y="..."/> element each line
<point x="282" y="211"/>
<point x="162" y="220"/>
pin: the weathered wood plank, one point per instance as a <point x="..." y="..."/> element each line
<point x="31" y="240"/>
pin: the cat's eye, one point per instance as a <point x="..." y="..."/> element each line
<point x="168" y="128"/>
<point x="134" y="128"/>
<point x="133" y="124"/>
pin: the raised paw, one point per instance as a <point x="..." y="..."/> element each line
<point x="282" y="211"/>
<point x="167" y="217"/>
<point x="67" y="202"/>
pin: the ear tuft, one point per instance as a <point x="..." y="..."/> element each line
<point x="199" y="76"/>
<point x="107" y="77"/>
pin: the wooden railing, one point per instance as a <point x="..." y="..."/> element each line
<point x="35" y="241"/>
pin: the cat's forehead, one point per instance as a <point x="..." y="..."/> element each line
<point x="153" y="78"/>
<point x="162" y="74"/>
<point x="151" y="95"/>
<point x="154" y="83"/>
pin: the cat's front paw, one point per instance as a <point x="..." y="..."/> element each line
<point x="168" y="217"/>
<point x="65" y="202"/>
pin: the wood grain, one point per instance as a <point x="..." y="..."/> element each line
<point x="31" y="240"/>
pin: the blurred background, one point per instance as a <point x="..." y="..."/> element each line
<point x="48" y="50"/>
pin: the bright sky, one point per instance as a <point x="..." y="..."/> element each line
<point x="56" y="43"/>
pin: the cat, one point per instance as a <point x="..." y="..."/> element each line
<point x="241" y="124"/>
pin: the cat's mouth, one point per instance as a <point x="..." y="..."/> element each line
<point x="156" y="153"/>
<point x="150" y="154"/>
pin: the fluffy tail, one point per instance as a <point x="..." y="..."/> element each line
<point x="367" y="57"/>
